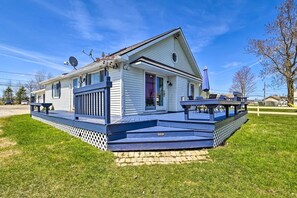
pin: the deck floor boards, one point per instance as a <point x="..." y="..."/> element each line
<point x="179" y="116"/>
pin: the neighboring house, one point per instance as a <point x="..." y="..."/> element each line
<point x="39" y="95"/>
<point x="275" y="101"/>
<point x="150" y="76"/>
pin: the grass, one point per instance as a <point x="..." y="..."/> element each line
<point x="259" y="160"/>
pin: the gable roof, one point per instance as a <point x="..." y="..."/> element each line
<point x="134" y="49"/>
<point x="177" y="32"/>
<point x="142" y="43"/>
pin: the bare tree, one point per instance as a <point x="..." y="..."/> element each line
<point x="244" y="81"/>
<point x="34" y="84"/>
<point x="30" y="85"/>
<point x="278" y="52"/>
<point x="39" y="77"/>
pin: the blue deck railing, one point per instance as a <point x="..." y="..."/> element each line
<point x="93" y="101"/>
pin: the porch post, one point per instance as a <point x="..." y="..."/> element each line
<point x="227" y="110"/>
<point x="186" y="111"/>
<point x="107" y="101"/>
<point x="211" y="112"/>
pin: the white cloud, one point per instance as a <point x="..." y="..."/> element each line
<point x="235" y="65"/>
<point x="32" y="57"/>
<point x="204" y="35"/>
<point x="209" y="21"/>
<point x="79" y="18"/>
<point x="123" y="20"/>
<point x="82" y="21"/>
<point x="232" y="64"/>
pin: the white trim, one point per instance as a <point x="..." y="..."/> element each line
<point x="83" y="70"/>
<point x="170" y="70"/>
<point x="151" y="43"/>
<point x="38" y="91"/>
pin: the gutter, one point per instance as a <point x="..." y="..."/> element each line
<point x="83" y="70"/>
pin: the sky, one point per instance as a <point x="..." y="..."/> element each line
<point x="39" y="35"/>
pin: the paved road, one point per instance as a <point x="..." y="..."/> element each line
<point x="9" y="110"/>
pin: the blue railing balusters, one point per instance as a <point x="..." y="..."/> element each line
<point x="93" y="101"/>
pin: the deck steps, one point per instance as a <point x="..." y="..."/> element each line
<point x="160" y="131"/>
<point x="162" y="138"/>
<point x="160" y="143"/>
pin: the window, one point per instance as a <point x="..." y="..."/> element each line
<point x="75" y="83"/>
<point x="101" y="75"/>
<point x="174" y="57"/>
<point x="95" y="78"/>
<point x="88" y="79"/>
<point x="192" y="90"/>
<point x="56" y="90"/>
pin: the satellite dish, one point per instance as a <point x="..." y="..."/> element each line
<point x="73" y="61"/>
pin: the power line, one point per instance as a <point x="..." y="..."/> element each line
<point x="8" y="72"/>
<point x="10" y="79"/>
<point x="9" y="85"/>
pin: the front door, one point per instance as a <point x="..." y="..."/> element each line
<point x="160" y="93"/>
<point x="150" y="91"/>
<point x="154" y="92"/>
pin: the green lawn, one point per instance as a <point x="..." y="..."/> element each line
<point x="260" y="160"/>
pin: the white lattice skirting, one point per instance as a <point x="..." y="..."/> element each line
<point x="96" y="139"/>
<point x="221" y="134"/>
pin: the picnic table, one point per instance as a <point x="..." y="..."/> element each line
<point x="38" y="105"/>
<point x="211" y="104"/>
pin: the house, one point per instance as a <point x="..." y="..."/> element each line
<point x="150" y="76"/>
<point x="38" y="96"/>
<point x="133" y="100"/>
<point x="275" y="101"/>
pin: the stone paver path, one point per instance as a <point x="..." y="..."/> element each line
<point x="160" y="157"/>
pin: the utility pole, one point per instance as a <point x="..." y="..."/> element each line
<point x="264" y="89"/>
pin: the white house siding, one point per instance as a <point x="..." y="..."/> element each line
<point x="172" y="98"/>
<point x="162" y="52"/>
<point x="65" y="101"/>
<point x="115" y="92"/>
<point x="182" y="62"/>
<point x="181" y="91"/>
<point x="133" y="80"/>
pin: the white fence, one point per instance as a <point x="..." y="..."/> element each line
<point x="257" y="110"/>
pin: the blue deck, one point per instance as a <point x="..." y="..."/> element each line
<point x="155" y="132"/>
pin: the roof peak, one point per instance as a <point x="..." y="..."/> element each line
<point x="139" y="44"/>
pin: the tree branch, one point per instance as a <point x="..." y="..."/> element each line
<point x="276" y="64"/>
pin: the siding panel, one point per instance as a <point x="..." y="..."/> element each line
<point x="172" y="94"/>
<point x="162" y="52"/>
<point x="133" y="91"/>
<point x="65" y="101"/>
<point x="181" y="90"/>
<point x="115" y="92"/>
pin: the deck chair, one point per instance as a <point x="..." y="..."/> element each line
<point x="190" y="97"/>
